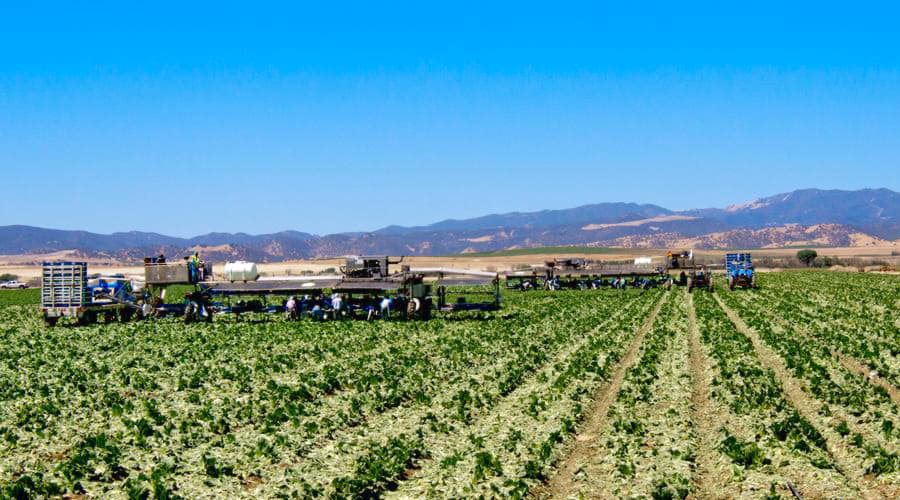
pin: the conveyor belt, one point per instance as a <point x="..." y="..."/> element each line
<point x="366" y="286"/>
<point x="607" y="272"/>
<point x="465" y="282"/>
<point x="271" y="287"/>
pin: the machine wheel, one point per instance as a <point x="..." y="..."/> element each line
<point x="731" y="282"/>
<point x="189" y="314"/>
<point x="126" y="314"/>
<point x="87" y="318"/>
<point x="690" y="284"/>
<point x="753" y="281"/>
<point x="412" y="308"/>
<point x="50" y="322"/>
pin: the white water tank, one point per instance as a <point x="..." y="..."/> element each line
<point x="241" y="271"/>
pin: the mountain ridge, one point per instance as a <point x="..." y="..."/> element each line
<point x="834" y="217"/>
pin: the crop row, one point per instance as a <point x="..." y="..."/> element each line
<point x="861" y="413"/>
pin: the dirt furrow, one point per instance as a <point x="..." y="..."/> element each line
<point x="871" y="376"/>
<point x="850" y="363"/>
<point x="805" y="405"/>
<point x="707" y="477"/>
<point x="562" y="484"/>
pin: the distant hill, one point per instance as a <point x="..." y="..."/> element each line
<point x="587" y="214"/>
<point x="876" y="211"/>
<point x="805" y="217"/>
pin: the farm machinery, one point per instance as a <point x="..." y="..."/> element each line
<point x="580" y="274"/>
<point x="367" y="287"/>
<point x="687" y="272"/>
<point x="68" y="291"/>
<point x="739" y="270"/>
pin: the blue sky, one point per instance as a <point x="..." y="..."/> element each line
<point x="259" y="117"/>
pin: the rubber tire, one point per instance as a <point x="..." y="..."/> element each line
<point x="87" y="319"/>
<point x="189" y="314"/>
<point x="50" y="322"/>
<point x="411" y="312"/>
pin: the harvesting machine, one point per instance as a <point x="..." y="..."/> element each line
<point x="739" y="270"/>
<point x="363" y="283"/>
<point x="582" y="274"/>
<point x="688" y="272"/>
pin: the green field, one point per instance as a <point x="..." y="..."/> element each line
<point x="568" y="394"/>
<point x="20" y="297"/>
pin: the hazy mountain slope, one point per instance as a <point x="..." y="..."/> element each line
<point x="596" y="213"/>
<point x="808" y="216"/>
<point x="865" y="208"/>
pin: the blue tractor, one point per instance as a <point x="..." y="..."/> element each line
<point x="739" y="271"/>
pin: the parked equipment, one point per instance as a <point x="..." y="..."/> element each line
<point x="739" y="270"/>
<point x="66" y="291"/>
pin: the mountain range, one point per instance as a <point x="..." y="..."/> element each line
<point x="818" y="217"/>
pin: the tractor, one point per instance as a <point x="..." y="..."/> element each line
<point x="739" y="270"/>
<point x="689" y="273"/>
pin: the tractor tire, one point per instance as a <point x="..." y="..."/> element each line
<point x="125" y="315"/>
<point x="412" y="309"/>
<point x="189" y="314"/>
<point x="731" y="283"/>
<point x="753" y="282"/>
<point x="50" y="322"/>
<point x="87" y="319"/>
<point x="669" y="285"/>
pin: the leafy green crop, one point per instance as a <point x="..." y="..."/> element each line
<point x="483" y="405"/>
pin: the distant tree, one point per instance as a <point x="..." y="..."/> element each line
<point x="807" y="256"/>
<point x="8" y="277"/>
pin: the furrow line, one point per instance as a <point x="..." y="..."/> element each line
<point x="561" y="484"/>
<point x="805" y="405"/>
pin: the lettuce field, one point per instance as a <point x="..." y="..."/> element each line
<point x="790" y="390"/>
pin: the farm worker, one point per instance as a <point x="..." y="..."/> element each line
<point x="192" y="272"/>
<point x="317" y="313"/>
<point x="290" y="308"/>
<point x="337" y="303"/>
<point x="198" y="268"/>
<point x="386" y="308"/>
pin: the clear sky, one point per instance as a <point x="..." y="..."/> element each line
<point x="185" y="117"/>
